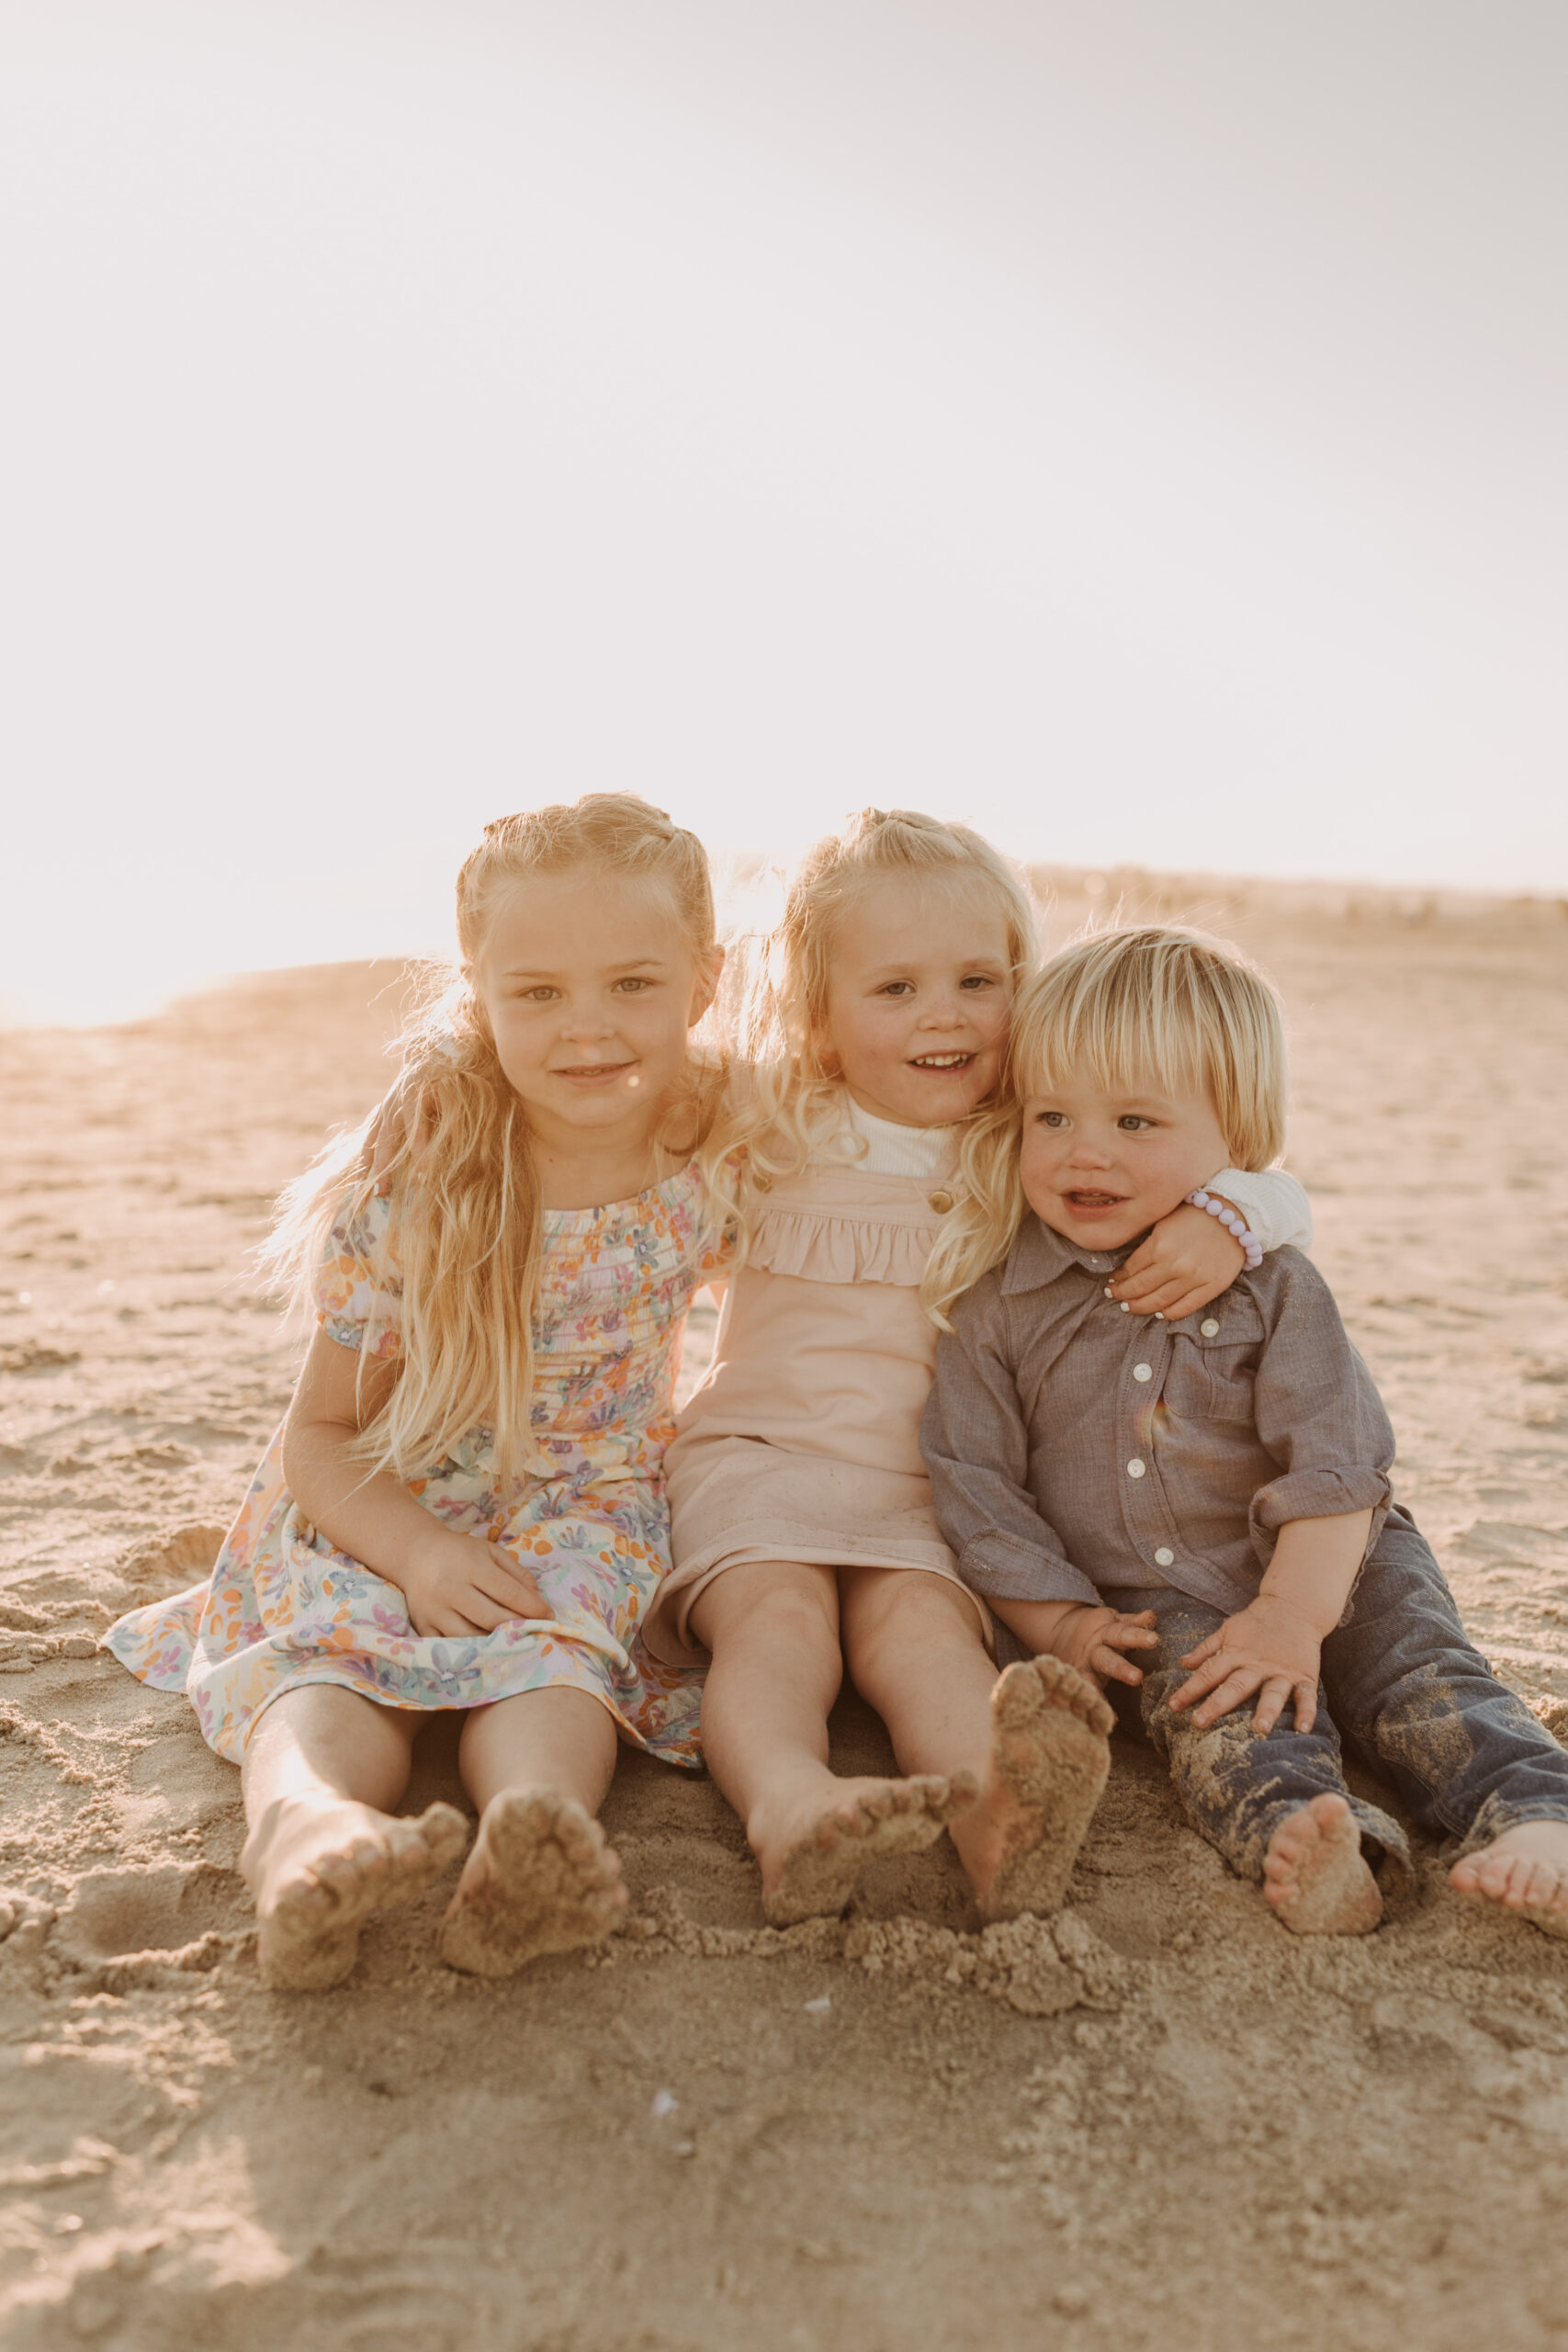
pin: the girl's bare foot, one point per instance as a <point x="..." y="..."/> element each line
<point x="541" y="1878"/>
<point x="813" y="1847"/>
<point x="1049" y="1758"/>
<point x="1316" y="1875"/>
<point x="319" y="1866"/>
<point x="1525" y="1870"/>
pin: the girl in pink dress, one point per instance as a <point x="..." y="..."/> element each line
<point x="465" y="1507"/>
<point x="801" y="1513"/>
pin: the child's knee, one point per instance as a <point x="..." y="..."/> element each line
<point x="888" y="1611"/>
<point x="791" y="1603"/>
<point x="1163" y="1677"/>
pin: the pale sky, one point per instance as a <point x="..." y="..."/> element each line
<point x="1135" y="425"/>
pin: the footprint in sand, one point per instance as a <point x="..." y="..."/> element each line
<point x="310" y="1924"/>
<point x="1049" y="1756"/>
<point x="865" y="1820"/>
<point x="541" y="1878"/>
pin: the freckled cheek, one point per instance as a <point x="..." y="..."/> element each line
<point x="1037" y="1169"/>
<point x="661" y="1042"/>
<point x="1161" y="1190"/>
<point x="511" y="1042"/>
<point x="868" y="1043"/>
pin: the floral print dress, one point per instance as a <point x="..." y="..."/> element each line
<point x="285" y="1607"/>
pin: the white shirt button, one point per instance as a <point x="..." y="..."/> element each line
<point x="1143" y="1372"/>
<point x="1165" y="1557"/>
<point x="1208" y="1327"/>
<point x="1135" y="1468"/>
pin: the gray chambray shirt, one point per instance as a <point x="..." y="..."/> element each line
<point x="1075" y="1449"/>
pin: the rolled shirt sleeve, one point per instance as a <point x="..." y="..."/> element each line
<point x="1320" y="1416"/>
<point x="976" y="1444"/>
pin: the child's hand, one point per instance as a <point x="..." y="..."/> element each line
<point x="1268" y="1646"/>
<point x="1094" y="1639"/>
<point x="1187" y="1261"/>
<point x="463" y="1584"/>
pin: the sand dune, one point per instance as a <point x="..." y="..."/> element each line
<point x="1156" y="2121"/>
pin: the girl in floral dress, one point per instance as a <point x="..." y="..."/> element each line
<point x="464" y="1508"/>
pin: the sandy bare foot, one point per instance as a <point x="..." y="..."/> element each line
<point x="1316" y="1875"/>
<point x="1048" y="1763"/>
<point x="1525" y="1870"/>
<point x="822" y="1846"/>
<point x="318" y="1870"/>
<point x="541" y="1878"/>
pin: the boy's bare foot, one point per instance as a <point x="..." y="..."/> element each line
<point x="1525" y="1870"/>
<point x="541" y="1878"/>
<point x="1316" y="1875"/>
<point x="319" y="1868"/>
<point x="814" y="1850"/>
<point x="1047" y="1766"/>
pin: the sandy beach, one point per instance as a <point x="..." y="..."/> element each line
<point x="1156" y="2122"/>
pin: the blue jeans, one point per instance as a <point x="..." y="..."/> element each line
<point x="1401" y="1683"/>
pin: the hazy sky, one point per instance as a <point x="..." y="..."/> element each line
<point x="1136" y="425"/>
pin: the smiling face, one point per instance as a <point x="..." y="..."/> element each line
<point x="591" y="986"/>
<point x="1099" y="1166"/>
<point x="920" y="985"/>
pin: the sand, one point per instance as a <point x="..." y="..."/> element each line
<point x="1157" y="2120"/>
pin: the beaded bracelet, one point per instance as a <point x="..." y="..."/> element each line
<point x="1251" y="1247"/>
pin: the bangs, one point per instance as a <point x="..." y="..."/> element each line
<point x="991" y="899"/>
<point x="1119" y="1047"/>
<point x="1169" y="1009"/>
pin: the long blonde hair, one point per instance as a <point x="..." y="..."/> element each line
<point x="466" y="1231"/>
<point x="1158" y="1002"/>
<point x="783" y="1011"/>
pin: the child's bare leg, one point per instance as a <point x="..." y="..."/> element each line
<point x="1035" y="1740"/>
<point x="541" y="1877"/>
<point x="773" y="1628"/>
<point x="1316" y="1875"/>
<point x="1525" y="1870"/>
<point x="322" y="1773"/>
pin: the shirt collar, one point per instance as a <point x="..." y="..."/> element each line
<point x="1039" y="1255"/>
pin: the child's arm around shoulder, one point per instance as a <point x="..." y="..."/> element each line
<point x="1273" y="1203"/>
<point x="1190" y="1258"/>
<point x="976" y="1444"/>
